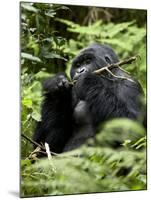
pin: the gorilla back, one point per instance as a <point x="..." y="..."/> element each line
<point x="70" y="115"/>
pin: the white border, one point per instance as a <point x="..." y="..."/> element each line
<point x="9" y="99"/>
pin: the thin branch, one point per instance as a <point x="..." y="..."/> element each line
<point x="50" y="157"/>
<point x="38" y="145"/>
<point x="123" y="70"/>
<point x="120" y="77"/>
<point x="38" y="150"/>
<point x="113" y="65"/>
<point x="34" y="154"/>
<point x="48" y="151"/>
<point x="32" y="141"/>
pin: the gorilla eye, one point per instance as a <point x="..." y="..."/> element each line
<point x="77" y="64"/>
<point x="107" y="59"/>
<point x="88" y="60"/>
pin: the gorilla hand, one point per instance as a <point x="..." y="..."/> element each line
<point x="59" y="83"/>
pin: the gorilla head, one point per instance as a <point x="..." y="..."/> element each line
<point x="92" y="58"/>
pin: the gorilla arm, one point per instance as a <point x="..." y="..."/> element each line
<point x="56" y="114"/>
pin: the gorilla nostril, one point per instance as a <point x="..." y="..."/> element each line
<point x="107" y="59"/>
<point x="82" y="70"/>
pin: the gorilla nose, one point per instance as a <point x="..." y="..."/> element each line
<point x="79" y="72"/>
<point x="82" y="70"/>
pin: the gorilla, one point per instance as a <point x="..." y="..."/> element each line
<point x="71" y="114"/>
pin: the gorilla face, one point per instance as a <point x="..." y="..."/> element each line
<point x="92" y="58"/>
<point x="82" y="64"/>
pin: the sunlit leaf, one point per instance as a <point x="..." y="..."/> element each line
<point x="35" y="115"/>
<point x="54" y="55"/>
<point x="27" y="102"/>
<point x="29" y="7"/>
<point x="30" y="57"/>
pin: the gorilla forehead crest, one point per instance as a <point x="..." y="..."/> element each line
<point x="103" y="52"/>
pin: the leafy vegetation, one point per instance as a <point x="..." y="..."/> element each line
<point x="51" y="35"/>
<point x="101" y="163"/>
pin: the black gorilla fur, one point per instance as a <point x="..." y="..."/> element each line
<point x="70" y="115"/>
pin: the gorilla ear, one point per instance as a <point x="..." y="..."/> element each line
<point x="107" y="59"/>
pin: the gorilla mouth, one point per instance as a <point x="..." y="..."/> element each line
<point x="77" y="75"/>
<point x="80" y="71"/>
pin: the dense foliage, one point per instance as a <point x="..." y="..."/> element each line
<point x="51" y="35"/>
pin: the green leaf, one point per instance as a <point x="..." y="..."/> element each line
<point x="29" y="7"/>
<point x="140" y="143"/>
<point x="43" y="75"/>
<point x="120" y="132"/>
<point x="27" y="103"/>
<point x="54" y="55"/>
<point x="68" y="23"/>
<point x="30" y="57"/>
<point x="36" y="116"/>
<point x="50" y="13"/>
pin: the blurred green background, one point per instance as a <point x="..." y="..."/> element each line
<point x="51" y="35"/>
